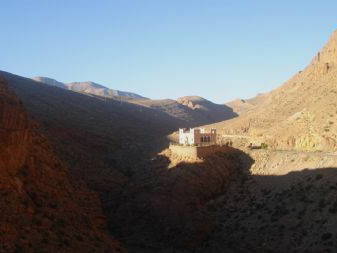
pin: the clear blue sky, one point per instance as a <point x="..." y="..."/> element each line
<point x="217" y="49"/>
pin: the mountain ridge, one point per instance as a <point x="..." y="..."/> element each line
<point x="88" y="87"/>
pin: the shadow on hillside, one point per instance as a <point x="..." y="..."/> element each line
<point x="295" y="212"/>
<point x="166" y="206"/>
<point x="204" y="207"/>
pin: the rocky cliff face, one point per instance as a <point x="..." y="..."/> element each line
<point x="42" y="208"/>
<point x="302" y="113"/>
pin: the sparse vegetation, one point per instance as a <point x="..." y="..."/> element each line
<point x="264" y="145"/>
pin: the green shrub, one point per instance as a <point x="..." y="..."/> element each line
<point x="264" y="145"/>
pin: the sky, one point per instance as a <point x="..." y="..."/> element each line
<point x="220" y="50"/>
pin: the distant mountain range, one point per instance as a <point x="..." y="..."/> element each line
<point x="88" y="87"/>
<point x="193" y="110"/>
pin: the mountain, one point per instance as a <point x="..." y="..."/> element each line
<point x="43" y="208"/>
<point x="287" y="202"/>
<point x="301" y="114"/>
<point x="192" y="109"/>
<point x="88" y="87"/>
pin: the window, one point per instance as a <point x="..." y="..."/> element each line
<point x="205" y="139"/>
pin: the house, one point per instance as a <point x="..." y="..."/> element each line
<point x="197" y="136"/>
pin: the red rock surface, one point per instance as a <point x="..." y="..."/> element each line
<point x="42" y="208"/>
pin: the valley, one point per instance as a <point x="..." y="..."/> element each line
<point x="91" y="167"/>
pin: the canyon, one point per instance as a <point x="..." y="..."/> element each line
<point x="92" y="168"/>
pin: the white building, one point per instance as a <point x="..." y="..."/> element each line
<point x="197" y="136"/>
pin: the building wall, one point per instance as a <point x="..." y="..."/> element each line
<point x="186" y="137"/>
<point x="193" y="136"/>
<point x="183" y="151"/>
<point x="198" y="136"/>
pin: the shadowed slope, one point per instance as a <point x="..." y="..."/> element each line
<point x="165" y="204"/>
<point x="103" y="140"/>
<point x="42" y="207"/>
<point x="299" y="216"/>
<point x="109" y="144"/>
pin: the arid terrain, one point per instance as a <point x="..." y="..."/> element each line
<point x="91" y="167"/>
<point x="299" y="115"/>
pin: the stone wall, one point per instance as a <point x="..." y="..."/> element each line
<point x="194" y="151"/>
<point x="207" y="150"/>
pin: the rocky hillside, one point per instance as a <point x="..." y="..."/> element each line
<point x="192" y="109"/>
<point x="287" y="202"/>
<point x="302" y="113"/>
<point x="43" y="209"/>
<point x="88" y="87"/>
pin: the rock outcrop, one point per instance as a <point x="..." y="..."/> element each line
<point x="43" y="209"/>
